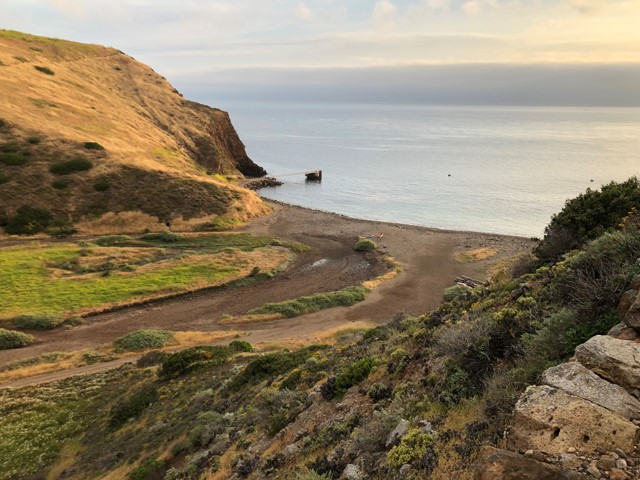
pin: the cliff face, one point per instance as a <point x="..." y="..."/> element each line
<point x="61" y="101"/>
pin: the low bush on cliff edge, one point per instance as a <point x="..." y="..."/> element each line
<point x="10" y="339"/>
<point x="144" y="339"/>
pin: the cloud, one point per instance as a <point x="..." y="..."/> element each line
<point x="69" y="8"/>
<point x="384" y="15"/>
<point x="583" y="6"/>
<point x="303" y="12"/>
<point x="438" y="4"/>
<point x="472" y="7"/>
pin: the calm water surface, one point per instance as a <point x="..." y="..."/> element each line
<point x="491" y="169"/>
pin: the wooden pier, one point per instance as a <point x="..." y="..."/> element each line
<point x="312" y="175"/>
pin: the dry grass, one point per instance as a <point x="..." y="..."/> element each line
<point x="76" y="359"/>
<point x="396" y="269"/>
<point x="333" y="335"/>
<point x="475" y="255"/>
<point x="66" y="459"/>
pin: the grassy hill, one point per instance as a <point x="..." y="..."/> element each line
<point x="86" y="131"/>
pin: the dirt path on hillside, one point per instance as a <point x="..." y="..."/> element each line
<point x="427" y="256"/>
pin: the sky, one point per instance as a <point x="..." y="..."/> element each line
<point x="530" y="52"/>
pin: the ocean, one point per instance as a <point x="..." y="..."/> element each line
<point x="501" y="170"/>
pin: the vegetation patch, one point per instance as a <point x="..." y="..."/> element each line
<point x="4" y="178"/>
<point x="78" y="164"/>
<point x="12" y="158"/>
<point x="167" y="237"/>
<point x="144" y="340"/>
<point x="40" y="321"/>
<point x="11" y="339"/>
<point x="93" y="146"/>
<point x="187" y="360"/>
<point x="45" y="70"/>
<point x="61" y="183"/>
<point x="102" y="185"/>
<point x="29" y="220"/>
<point x="365" y="245"/>
<point x="133" y="406"/>
<point x="354" y="374"/>
<point x="220" y="224"/>
<point x="312" y="303"/>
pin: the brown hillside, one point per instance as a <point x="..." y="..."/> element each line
<point x="162" y="155"/>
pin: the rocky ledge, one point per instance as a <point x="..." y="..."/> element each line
<point x="583" y="421"/>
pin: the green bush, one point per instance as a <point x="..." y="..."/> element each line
<point x="167" y="237"/>
<point x="61" y="183"/>
<point x="41" y="321"/>
<point x="354" y="374"/>
<point x="143" y="340"/>
<point x="313" y="303"/>
<point x="113" y="240"/>
<point x="78" y="164"/>
<point x="218" y="225"/>
<point x="4" y="178"/>
<point x="189" y="359"/>
<point x="13" y="159"/>
<point x="454" y="292"/>
<point x="34" y="140"/>
<point x="588" y="216"/>
<point x="44" y="70"/>
<point x="240" y="346"/>
<point x="93" y="146"/>
<point x="101" y="185"/>
<point x="415" y="447"/>
<point x="133" y="406"/>
<point x="365" y="245"/>
<point x="28" y="220"/>
<point x="10" y="339"/>
<point x="9" y="148"/>
<point x="150" y="469"/>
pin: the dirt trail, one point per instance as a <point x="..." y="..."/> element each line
<point x="426" y="254"/>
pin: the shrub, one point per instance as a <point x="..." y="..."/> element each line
<point x="588" y="216"/>
<point x="240" y="346"/>
<point x="34" y="140"/>
<point x="416" y="447"/>
<point x="372" y="436"/>
<point x="150" y="469"/>
<point x="454" y="292"/>
<point x="29" y="220"/>
<point x="365" y="245"/>
<point x="101" y="185"/>
<point x="133" y="406"/>
<point x="143" y="340"/>
<point x="44" y="70"/>
<point x="167" y="237"/>
<point x="218" y="225"/>
<point x="61" y="183"/>
<point x="4" y="178"/>
<point x="10" y="339"/>
<point x="189" y="359"/>
<point x="354" y="374"/>
<point x="42" y="321"/>
<point x="93" y="146"/>
<point x="78" y="164"/>
<point x="379" y="391"/>
<point x="13" y="159"/>
<point x="112" y="240"/>
<point x="312" y="303"/>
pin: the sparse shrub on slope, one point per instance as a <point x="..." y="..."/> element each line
<point x="12" y="158"/>
<point x="10" y="339"/>
<point x="133" y="406"/>
<point x="187" y="360"/>
<point x="4" y="178"/>
<point x="45" y="70"/>
<point x="29" y="220"/>
<point x="93" y="146"/>
<point x="78" y="164"/>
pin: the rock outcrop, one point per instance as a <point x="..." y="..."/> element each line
<point x="583" y="421"/>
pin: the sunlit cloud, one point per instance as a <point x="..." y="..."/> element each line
<point x="303" y="12"/>
<point x="384" y="15"/>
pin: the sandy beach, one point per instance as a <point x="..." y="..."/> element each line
<point x="429" y="258"/>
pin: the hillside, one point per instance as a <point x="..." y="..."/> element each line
<point x="87" y="130"/>
<point x="424" y="397"/>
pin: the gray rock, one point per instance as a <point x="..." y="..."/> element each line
<point x="426" y="427"/>
<point x="352" y="472"/>
<point x="291" y="450"/>
<point x="396" y="435"/>
<point x="552" y="421"/>
<point x="621" y="463"/>
<point x="404" y="470"/>
<point x="628" y="298"/>
<point x="615" y="360"/>
<point x="575" y="379"/>
<point x="622" y="331"/>
<point x="570" y="461"/>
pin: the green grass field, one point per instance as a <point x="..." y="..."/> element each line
<point x="32" y="281"/>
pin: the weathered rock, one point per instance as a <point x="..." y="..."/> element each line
<point x="396" y="435"/>
<point x="628" y="298"/>
<point x="496" y="464"/>
<point x="635" y="283"/>
<point x="617" y="474"/>
<point x="551" y="420"/>
<point x="570" y="461"/>
<point x="622" y="331"/>
<point x="606" y="462"/>
<point x="575" y="379"/>
<point x="615" y="360"/>
<point x="352" y="472"/>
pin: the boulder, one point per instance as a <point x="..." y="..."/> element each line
<point x="553" y="421"/>
<point x="615" y="360"/>
<point x="622" y="331"/>
<point x="575" y="379"/>
<point x="628" y="298"/>
<point x="396" y="435"/>
<point x="352" y="472"/>
<point x="496" y="464"/>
